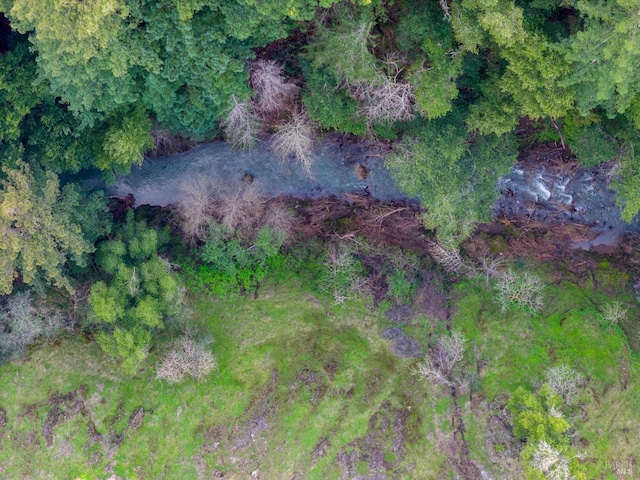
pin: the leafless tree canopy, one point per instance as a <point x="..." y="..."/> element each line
<point x="612" y="313"/>
<point x="385" y="100"/>
<point x="523" y="289"/>
<point x="551" y="462"/>
<point x="566" y="382"/>
<point x="194" y="211"/>
<point x="241" y="125"/>
<point x="273" y="94"/>
<point x="437" y="367"/>
<point x="343" y="278"/>
<point x="241" y="207"/>
<point x="450" y="259"/>
<point x="23" y="321"/>
<point x="186" y="358"/>
<point x="295" y="138"/>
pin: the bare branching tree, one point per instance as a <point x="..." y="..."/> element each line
<point x="23" y="321"/>
<point x="241" y="125"/>
<point x="451" y="260"/>
<point x="491" y="267"/>
<point x="438" y="366"/>
<point x="612" y="313"/>
<point x="186" y="358"/>
<point x="566" y="382"/>
<point x="343" y="276"/>
<point x="273" y="94"/>
<point x="279" y="218"/>
<point x="385" y="100"/>
<point x="195" y="209"/>
<point x="551" y="462"/>
<point x="295" y="138"/>
<point x="525" y="290"/>
<point x="241" y="207"/>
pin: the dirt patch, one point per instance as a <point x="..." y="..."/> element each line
<point x="401" y="314"/>
<point x="312" y="382"/>
<point x="63" y="408"/>
<point x="401" y="344"/>
<point x="432" y="297"/>
<point x="382" y="451"/>
<point x="321" y="447"/>
<point x="331" y="368"/>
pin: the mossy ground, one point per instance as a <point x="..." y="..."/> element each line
<point x="307" y="390"/>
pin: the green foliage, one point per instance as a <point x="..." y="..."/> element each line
<point x="454" y="178"/>
<point x="342" y="47"/>
<point x="605" y="56"/>
<point x="126" y="139"/>
<point x="230" y="265"/>
<point x="592" y="144"/>
<point x="45" y="228"/>
<point x="427" y="38"/>
<point x="330" y="106"/>
<point x="137" y="294"/>
<point x="538" y="417"/>
<point x="627" y="179"/>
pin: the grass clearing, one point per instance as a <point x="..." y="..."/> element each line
<point x="310" y="390"/>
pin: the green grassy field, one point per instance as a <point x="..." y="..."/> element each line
<point x="307" y="390"/>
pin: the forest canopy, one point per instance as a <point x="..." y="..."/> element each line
<point x="94" y="83"/>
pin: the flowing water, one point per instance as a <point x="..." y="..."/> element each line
<point x="530" y="189"/>
<point x="337" y="169"/>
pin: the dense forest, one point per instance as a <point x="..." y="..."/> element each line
<point x="453" y="92"/>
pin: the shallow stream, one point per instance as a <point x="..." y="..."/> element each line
<point x="535" y="190"/>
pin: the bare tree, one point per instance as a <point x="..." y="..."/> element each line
<point x="241" y="125"/>
<point x="343" y="276"/>
<point x="565" y="381"/>
<point x="450" y="259"/>
<point x="612" y="313"/>
<point x="194" y="211"/>
<point x="273" y="94"/>
<point x="551" y="462"/>
<point x="438" y="365"/>
<point x="186" y="358"/>
<point x="385" y="100"/>
<point x="295" y="138"/>
<point x="241" y="207"/>
<point x="523" y="289"/>
<point x="23" y="321"/>
<point x="279" y="218"/>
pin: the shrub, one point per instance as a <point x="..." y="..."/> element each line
<point x="295" y="138"/>
<point x="186" y="358"/>
<point x="231" y="265"/>
<point x="523" y="290"/>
